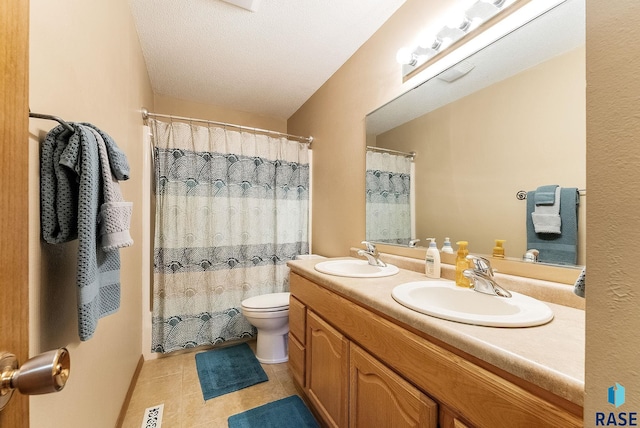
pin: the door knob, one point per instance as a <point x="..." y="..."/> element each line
<point x="42" y="374"/>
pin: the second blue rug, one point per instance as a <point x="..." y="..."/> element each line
<point x="289" y="412"/>
<point x="228" y="369"/>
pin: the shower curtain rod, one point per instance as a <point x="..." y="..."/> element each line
<point x="146" y="115"/>
<point x="380" y="149"/>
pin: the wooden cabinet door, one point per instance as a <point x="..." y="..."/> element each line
<point x="380" y="398"/>
<point x="297" y="332"/>
<point x="327" y="371"/>
<point x="297" y="319"/>
<point x="296" y="360"/>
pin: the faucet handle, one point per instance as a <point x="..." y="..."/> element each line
<point x="369" y="246"/>
<point x="481" y="264"/>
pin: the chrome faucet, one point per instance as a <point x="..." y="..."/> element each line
<point x="413" y="243"/>
<point x="371" y="253"/>
<point x="482" y="279"/>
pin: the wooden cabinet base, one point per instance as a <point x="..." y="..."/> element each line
<point x="473" y="395"/>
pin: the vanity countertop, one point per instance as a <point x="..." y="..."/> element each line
<point x="550" y="356"/>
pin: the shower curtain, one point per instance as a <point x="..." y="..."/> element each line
<point x="388" y="207"/>
<point x="231" y="210"/>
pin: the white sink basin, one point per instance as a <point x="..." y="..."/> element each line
<point x="355" y="269"/>
<point x="443" y="299"/>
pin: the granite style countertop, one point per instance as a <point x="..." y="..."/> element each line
<point x="550" y="356"/>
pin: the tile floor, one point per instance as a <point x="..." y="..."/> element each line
<point x="174" y="382"/>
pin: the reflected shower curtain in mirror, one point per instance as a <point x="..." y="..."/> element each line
<point x="231" y="210"/>
<point x="388" y="207"/>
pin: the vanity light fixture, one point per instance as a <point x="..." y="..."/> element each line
<point x="459" y="37"/>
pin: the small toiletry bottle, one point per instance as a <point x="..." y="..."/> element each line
<point x="462" y="264"/>
<point x="498" y="250"/>
<point x="446" y="248"/>
<point x="432" y="260"/>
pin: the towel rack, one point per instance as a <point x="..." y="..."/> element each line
<point x="521" y="195"/>
<point x="50" y="117"/>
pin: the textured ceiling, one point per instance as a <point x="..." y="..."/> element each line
<point x="268" y="62"/>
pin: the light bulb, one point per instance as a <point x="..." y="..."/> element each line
<point x="405" y="56"/>
<point x="481" y="10"/>
<point x="426" y="40"/>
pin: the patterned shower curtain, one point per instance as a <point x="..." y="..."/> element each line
<point x="231" y="210"/>
<point x="388" y="187"/>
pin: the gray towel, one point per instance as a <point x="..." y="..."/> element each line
<point x="546" y="218"/>
<point x="115" y="214"/>
<point x="546" y="195"/>
<point x="71" y="194"/>
<point x="554" y="248"/>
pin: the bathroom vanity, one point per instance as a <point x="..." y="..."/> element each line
<point x="362" y="360"/>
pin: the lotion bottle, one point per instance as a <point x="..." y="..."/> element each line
<point x="432" y="260"/>
<point x="446" y="248"/>
<point x="462" y="264"/>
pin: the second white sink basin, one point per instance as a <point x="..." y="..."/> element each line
<point x="355" y="269"/>
<point x="443" y="299"/>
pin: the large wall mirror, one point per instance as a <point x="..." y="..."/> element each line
<point x="507" y="119"/>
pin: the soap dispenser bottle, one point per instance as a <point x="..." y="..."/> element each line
<point x="462" y="264"/>
<point x="447" y="248"/>
<point x="432" y="260"/>
<point x="498" y="250"/>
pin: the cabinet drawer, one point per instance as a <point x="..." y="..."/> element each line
<point x="296" y="360"/>
<point x="297" y="319"/>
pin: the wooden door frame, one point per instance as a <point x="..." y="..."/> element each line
<point x="14" y="192"/>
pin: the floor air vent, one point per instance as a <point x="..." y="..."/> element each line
<point x="153" y="417"/>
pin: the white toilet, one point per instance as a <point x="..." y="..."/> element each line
<point x="269" y="313"/>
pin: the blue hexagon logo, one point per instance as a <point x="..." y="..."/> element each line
<point x="616" y="395"/>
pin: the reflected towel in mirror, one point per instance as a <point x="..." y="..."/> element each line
<point x="556" y="248"/>
<point x="546" y="217"/>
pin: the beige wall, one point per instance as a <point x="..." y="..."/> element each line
<point x="85" y="65"/>
<point x="474" y="154"/>
<point x="177" y="107"/>
<point x="613" y="182"/>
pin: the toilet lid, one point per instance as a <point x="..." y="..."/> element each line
<point x="268" y="302"/>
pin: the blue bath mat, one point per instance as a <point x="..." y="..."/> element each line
<point x="289" y="412"/>
<point x="228" y="369"/>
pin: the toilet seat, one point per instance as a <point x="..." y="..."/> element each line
<point x="274" y="302"/>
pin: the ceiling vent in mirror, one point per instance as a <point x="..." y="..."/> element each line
<point x="250" y="5"/>
<point x="457" y="71"/>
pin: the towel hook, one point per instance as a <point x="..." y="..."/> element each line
<point x="50" y="117"/>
